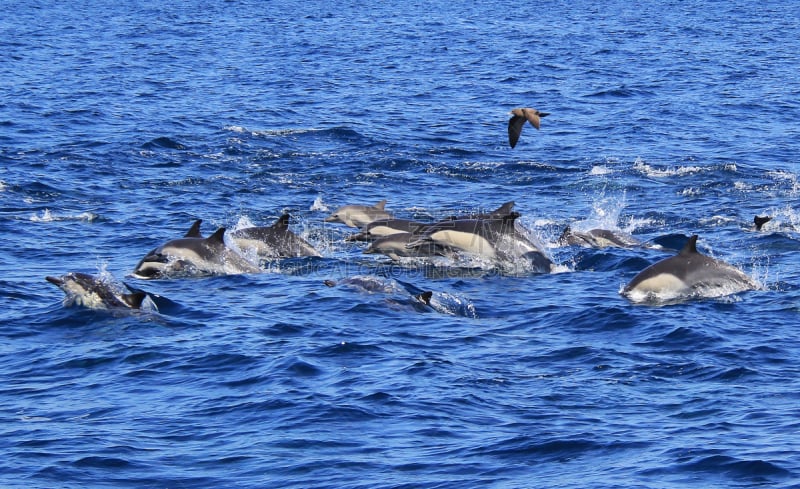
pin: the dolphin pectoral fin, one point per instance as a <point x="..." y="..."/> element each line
<point x="194" y="231"/>
<point x="135" y="299"/>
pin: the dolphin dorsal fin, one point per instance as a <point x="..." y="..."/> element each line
<point x="194" y="231"/>
<point x="760" y="221"/>
<point x="512" y="216"/>
<point x="505" y="208"/>
<point x="218" y="236"/>
<point x="282" y="222"/>
<point x="134" y="299"/>
<point x="690" y="247"/>
<point x="425" y="297"/>
<point x="380" y="205"/>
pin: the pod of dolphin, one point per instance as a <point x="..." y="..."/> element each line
<point x="493" y="236"/>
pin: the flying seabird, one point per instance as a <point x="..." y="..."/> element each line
<point x="518" y="118"/>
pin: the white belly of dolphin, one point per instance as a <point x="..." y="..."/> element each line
<point x="469" y="242"/>
<point x="663" y="284"/>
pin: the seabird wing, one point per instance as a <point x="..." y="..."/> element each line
<point x="515" y="129"/>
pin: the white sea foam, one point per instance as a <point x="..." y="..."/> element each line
<point x="319" y="205"/>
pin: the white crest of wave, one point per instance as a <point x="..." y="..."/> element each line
<point x="318" y="205"/>
<point x="47" y="216"/>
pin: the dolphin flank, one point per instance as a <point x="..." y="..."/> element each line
<point x="689" y="273"/>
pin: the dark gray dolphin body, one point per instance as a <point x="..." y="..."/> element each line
<point x="358" y="216"/>
<point x="386" y="227"/>
<point x="193" y="256"/>
<point x="276" y="241"/>
<point x="493" y="239"/>
<point x="96" y="293"/>
<point x="396" y="246"/>
<point x="686" y="274"/>
<point x="597" y="238"/>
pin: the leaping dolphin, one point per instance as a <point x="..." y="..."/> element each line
<point x="193" y="256"/>
<point x="689" y="273"/>
<point x="276" y="241"/>
<point x="94" y="292"/>
<point x="358" y="216"/>
<point x="493" y="239"/>
<point x="518" y="118"/>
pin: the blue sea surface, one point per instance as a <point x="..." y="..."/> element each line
<point x="123" y="122"/>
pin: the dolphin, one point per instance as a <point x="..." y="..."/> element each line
<point x="395" y="290"/>
<point x="386" y="227"/>
<point x="686" y="274"/>
<point x="358" y="216"/>
<point x="518" y="118"/>
<point x="396" y="246"/>
<point x="193" y="256"/>
<point x="597" y="238"/>
<point x="96" y="293"/>
<point x="493" y="239"/>
<point x="276" y="241"/>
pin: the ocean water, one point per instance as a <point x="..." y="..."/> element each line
<point x="122" y="123"/>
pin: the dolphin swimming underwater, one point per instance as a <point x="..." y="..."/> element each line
<point x="193" y="256"/>
<point x="518" y="118"/>
<point x="358" y="216"/>
<point x="597" y="238"/>
<point x="493" y="239"/>
<point x="386" y="227"/>
<point x="689" y="273"/>
<point x="95" y="292"/>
